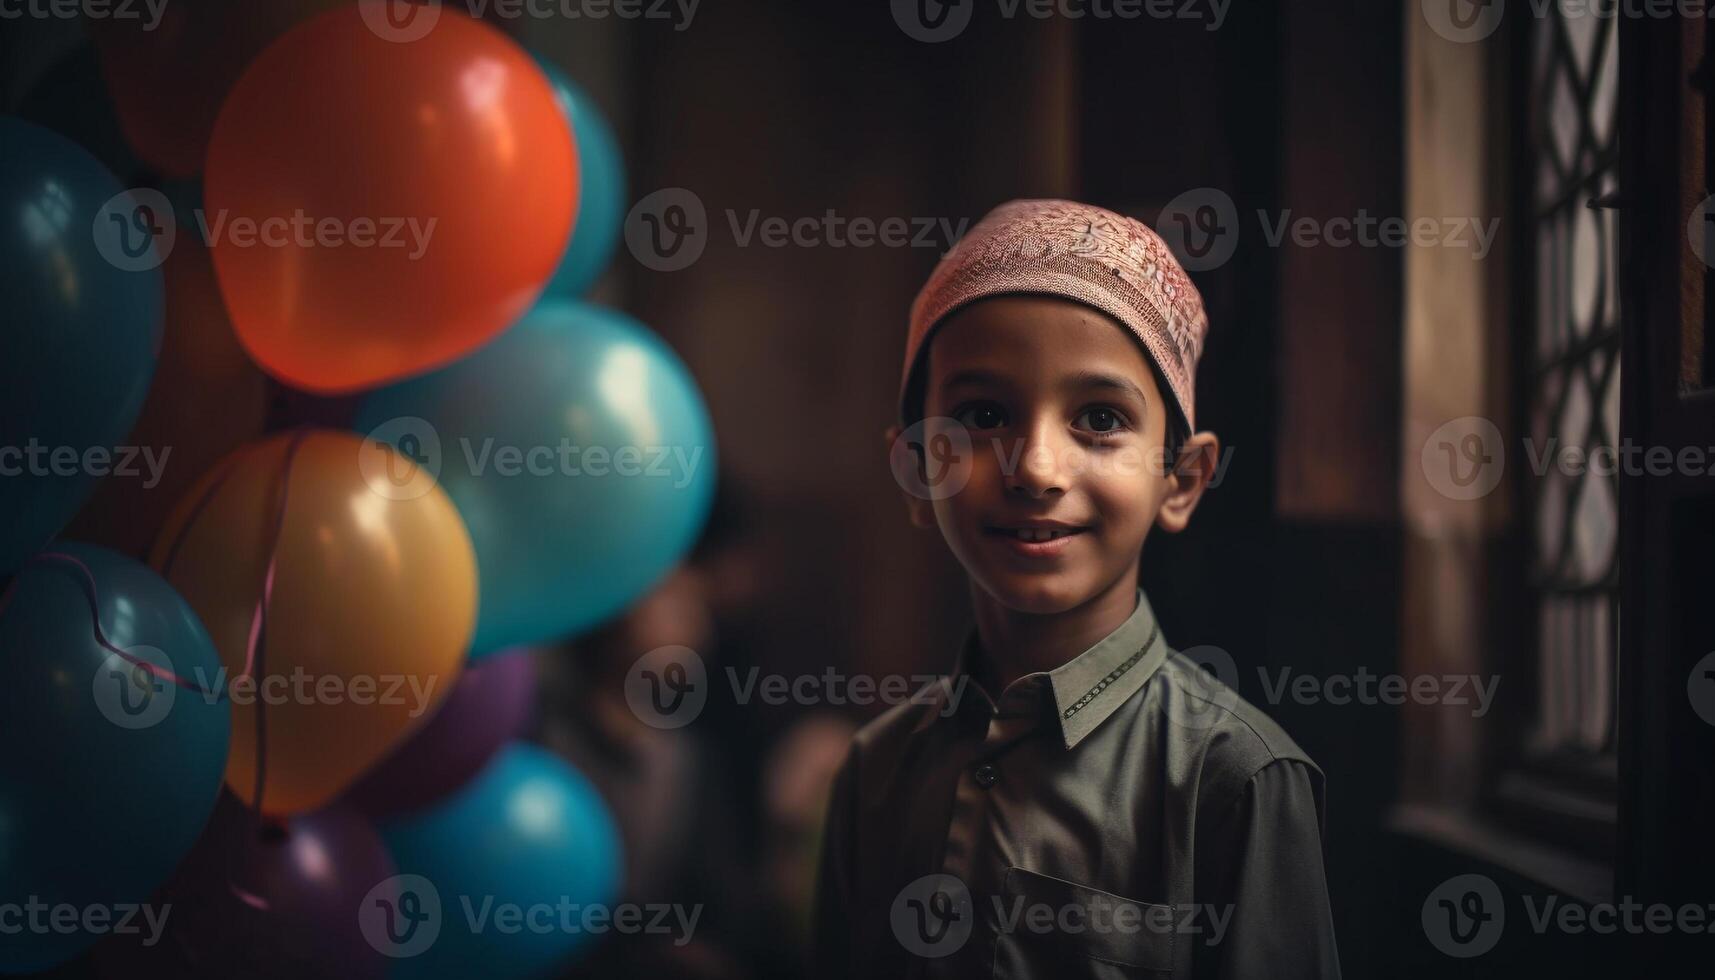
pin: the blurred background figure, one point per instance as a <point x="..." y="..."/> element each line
<point x="677" y="790"/>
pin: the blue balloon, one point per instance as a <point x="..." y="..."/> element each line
<point x="496" y="880"/>
<point x="580" y="454"/>
<point x="84" y="294"/>
<point x="111" y="770"/>
<point x="601" y="190"/>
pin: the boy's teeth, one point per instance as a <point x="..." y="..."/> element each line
<point x="1039" y="534"/>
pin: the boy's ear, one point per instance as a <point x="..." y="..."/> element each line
<point x="920" y="511"/>
<point x="1198" y="465"/>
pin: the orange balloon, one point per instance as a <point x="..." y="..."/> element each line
<point x="371" y="614"/>
<point x="206" y="400"/>
<point x="380" y="206"/>
<point x="169" y="65"/>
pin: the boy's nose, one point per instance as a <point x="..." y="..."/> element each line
<point x="1045" y="462"/>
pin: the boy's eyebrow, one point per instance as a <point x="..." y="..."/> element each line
<point x="974" y="376"/>
<point x="1076" y="381"/>
<point x="1099" y="379"/>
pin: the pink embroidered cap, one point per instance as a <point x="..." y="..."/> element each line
<point x="1114" y="263"/>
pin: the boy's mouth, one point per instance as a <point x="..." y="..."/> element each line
<point x="1036" y="538"/>
<point x="1036" y="533"/>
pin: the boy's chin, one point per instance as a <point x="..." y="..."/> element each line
<point x="1043" y="594"/>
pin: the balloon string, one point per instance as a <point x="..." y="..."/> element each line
<point x="255" y="644"/>
<point x="255" y="647"/>
<point x="92" y="594"/>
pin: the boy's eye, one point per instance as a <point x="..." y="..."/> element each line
<point x="1100" y="420"/>
<point x="982" y="415"/>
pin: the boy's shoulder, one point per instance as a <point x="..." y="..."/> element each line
<point x="1240" y="732"/>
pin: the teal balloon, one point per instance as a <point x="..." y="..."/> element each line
<point x="601" y="190"/>
<point x="84" y="306"/>
<point x="580" y="454"/>
<point x="110" y="771"/>
<point x="500" y="874"/>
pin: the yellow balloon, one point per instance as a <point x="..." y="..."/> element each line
<point x="372" y="608"/>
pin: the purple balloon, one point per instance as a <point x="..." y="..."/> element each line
<point x="489" y="706"/>
<point x="264" y="900"/>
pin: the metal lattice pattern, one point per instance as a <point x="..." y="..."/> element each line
<point x="1575" y="377"/>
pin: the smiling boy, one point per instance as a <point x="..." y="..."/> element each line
<point x="1091" y="804"/>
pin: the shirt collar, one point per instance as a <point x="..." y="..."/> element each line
<point x="1086" y="689"/>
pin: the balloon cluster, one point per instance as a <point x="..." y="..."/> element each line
<point x="281" y="682"/>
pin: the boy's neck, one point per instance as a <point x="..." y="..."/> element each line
<point x="1017" y="643"/>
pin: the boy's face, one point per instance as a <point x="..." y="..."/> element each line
<point x="1068" y="430"/>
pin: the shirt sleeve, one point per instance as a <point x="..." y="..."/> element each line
<point x="831" y="929"/>
<point x="1259" y="862"/>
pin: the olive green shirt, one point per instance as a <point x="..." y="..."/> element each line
<point x="1123" y="815"/>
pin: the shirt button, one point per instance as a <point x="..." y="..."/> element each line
<point x="987" y="776"/>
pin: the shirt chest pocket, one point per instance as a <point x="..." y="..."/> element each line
<point x="1049" y="927"/>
